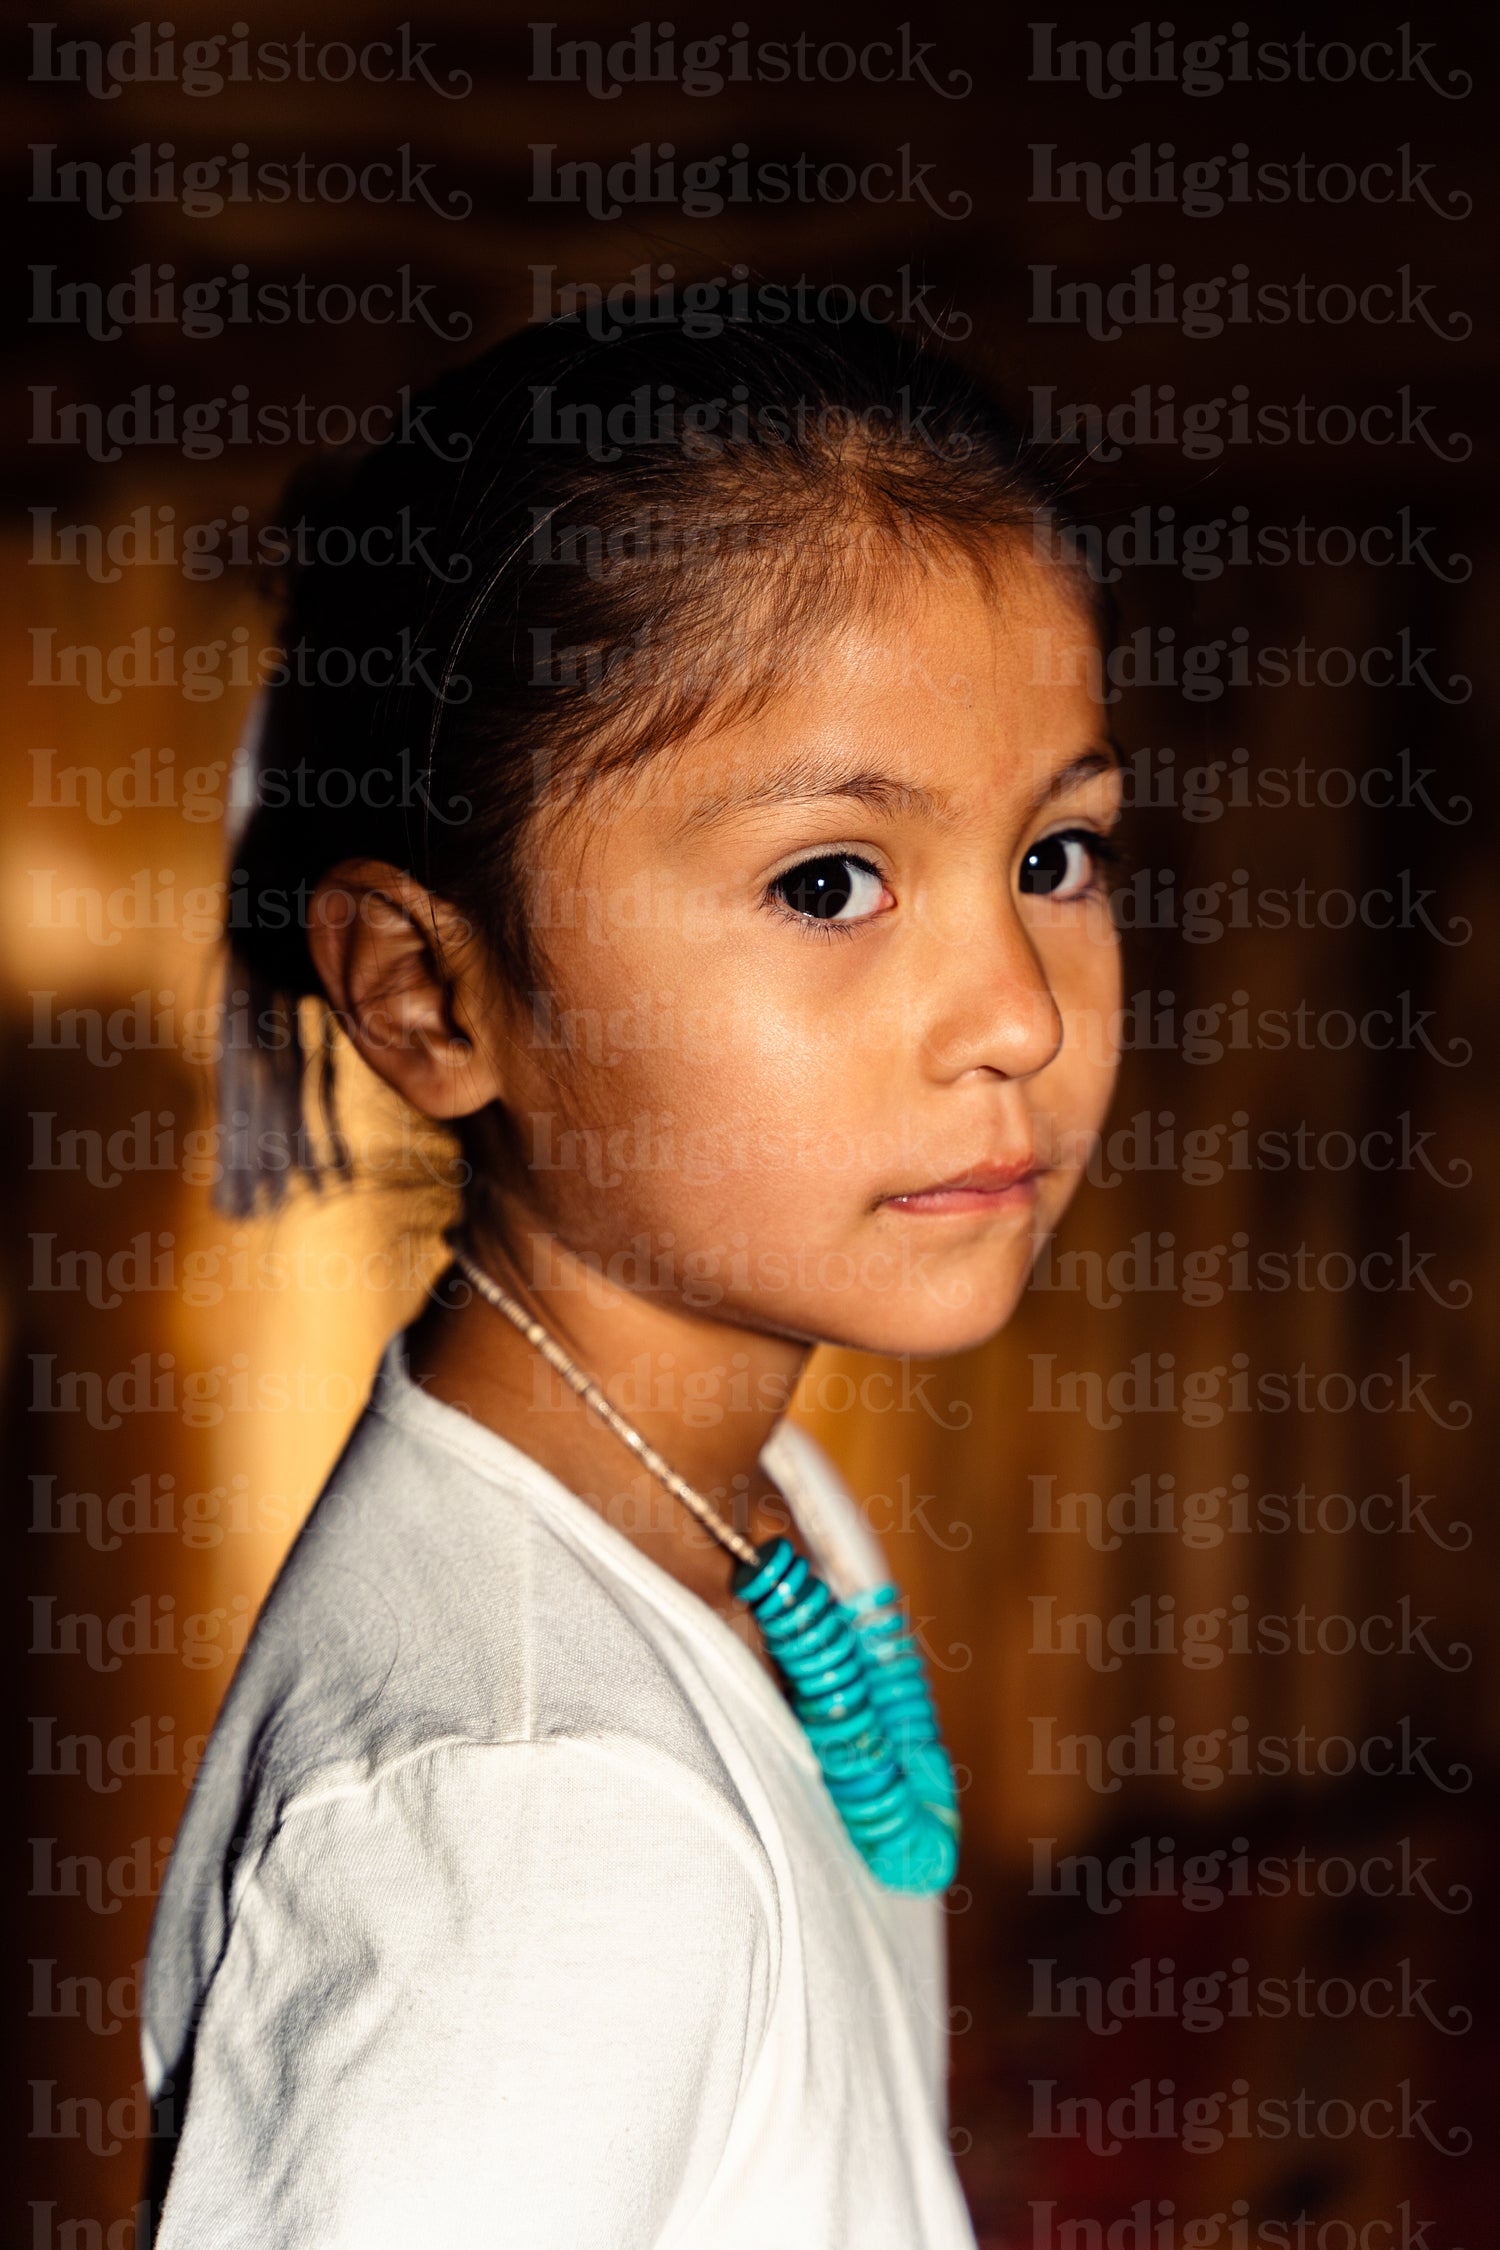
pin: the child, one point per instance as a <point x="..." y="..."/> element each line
<point x="685" y="778"/>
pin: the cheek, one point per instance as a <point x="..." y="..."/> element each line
<point x="709" y="1030"/>
<point x="1087" y="980"/>
<point x="675" y="1101"/>
<point x="727" y="1114"/>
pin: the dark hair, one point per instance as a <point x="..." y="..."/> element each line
<point x="564" y="555"/>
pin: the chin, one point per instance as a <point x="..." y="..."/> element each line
<point x="921" y="1328"/>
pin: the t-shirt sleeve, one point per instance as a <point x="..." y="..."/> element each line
<point x="503" y="1994"/>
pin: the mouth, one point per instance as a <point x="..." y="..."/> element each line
<point x="984" y="1188"/>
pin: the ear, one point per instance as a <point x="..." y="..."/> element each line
<point x="411" y="984"/>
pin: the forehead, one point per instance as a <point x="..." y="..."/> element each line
<point x="945" y="684"/>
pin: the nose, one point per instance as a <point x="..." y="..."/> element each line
<point x="991" y="1006"/>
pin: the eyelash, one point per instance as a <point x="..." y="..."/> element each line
<point x="1105" y="855"/>
<point x="809" y="923"/>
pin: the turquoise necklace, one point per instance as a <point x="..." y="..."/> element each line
<point x="851" y="1670"/>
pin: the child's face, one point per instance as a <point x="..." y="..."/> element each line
<point x="853" y="1125"/>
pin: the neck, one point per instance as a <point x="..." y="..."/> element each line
<point x="707" y="1395"/>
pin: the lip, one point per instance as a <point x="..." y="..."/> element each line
<point x="983" y="1188"/>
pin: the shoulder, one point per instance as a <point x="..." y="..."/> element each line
<point x="482" y="1890"/>
<point x="489" y="1971"/>
<point x="492" y="1844"/>
<point x="483" y="1822"/>
<point x="455" y="1855"/>
<point x="441" y="1591"/>
<point x="438" y="1676"/>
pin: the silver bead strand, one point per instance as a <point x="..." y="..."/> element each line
<point x="557" y="1359"/>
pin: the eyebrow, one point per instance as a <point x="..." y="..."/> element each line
<point x="810" y="781"/>
<point x="1103" y="757"/>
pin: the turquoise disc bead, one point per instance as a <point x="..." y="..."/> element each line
<point x="857" y="1682"/>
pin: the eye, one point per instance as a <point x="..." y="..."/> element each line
<point x="837" y="888"/>
<point x="1065" y="866"/>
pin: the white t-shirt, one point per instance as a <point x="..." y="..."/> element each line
<point x="510" y="1907"/>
